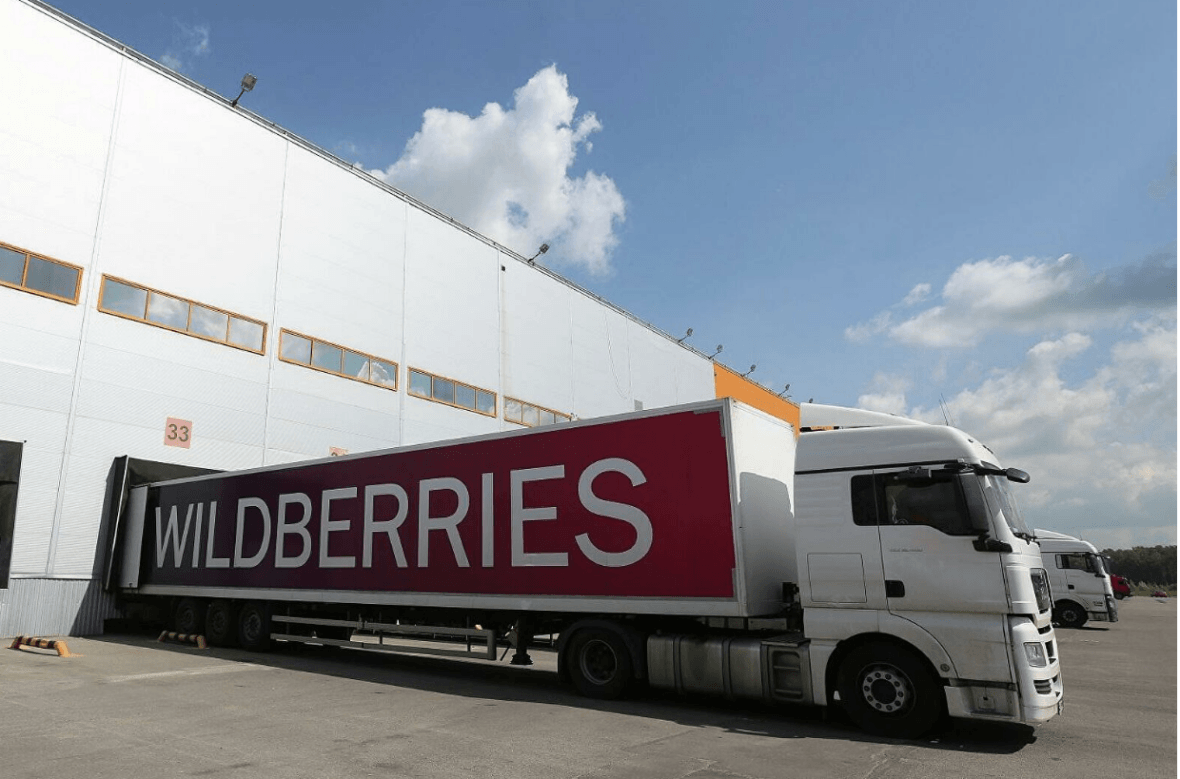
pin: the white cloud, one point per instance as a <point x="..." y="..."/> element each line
<point x="866" y="330"/>
<point x="1032" y="295"/>
<point x="887" y="395"/>
<point x="506" y="174"/>
<point x="188" y="42"/>
<point x="1101" y="449"/>
<point x="919" y="293"/>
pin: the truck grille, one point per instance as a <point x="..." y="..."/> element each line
<point x="1045" y="686"/>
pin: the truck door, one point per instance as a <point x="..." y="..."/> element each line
<point x="928" y="556"/>
<point x="841" y="564"/>
<point x="1081" y="576"/>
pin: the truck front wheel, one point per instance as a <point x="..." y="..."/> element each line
<point x="1069" y="614"/>
<point x="599" y="664"/>
<point x="887" y="691"/>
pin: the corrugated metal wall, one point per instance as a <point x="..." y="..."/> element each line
<point x="54" y="607"/>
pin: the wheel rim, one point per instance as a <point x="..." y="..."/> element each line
<point x="186" y="618"/>
<point x="886" y="689"/>
<point x="218" y="622"/>
<point x="251" y="627"/>
<point x="598" y="662"/>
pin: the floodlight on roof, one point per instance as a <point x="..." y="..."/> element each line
<point x="248" y="82"/>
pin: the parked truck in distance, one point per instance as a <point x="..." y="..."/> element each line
<point x="1078" y="578"/>
<point x="867" y="562"/>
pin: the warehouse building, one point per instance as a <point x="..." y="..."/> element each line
<point x="182" y="282"/>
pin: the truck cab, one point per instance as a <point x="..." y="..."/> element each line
<point x="910" y="541"/>
<point x="1079" y="580"/>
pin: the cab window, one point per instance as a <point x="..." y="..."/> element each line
<point x="1076" y="562"/>
<point x="903" y="499"/>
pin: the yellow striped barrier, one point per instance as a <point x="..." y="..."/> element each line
<point x="42" y="643"/>
<point x="184" y="638"/>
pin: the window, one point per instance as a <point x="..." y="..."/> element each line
<point x="330" y="358"/>
<point x="904" y="499"/>
<point x="1077" y="561"/>
<point x="132" y="301"/>
<point x="531" y="415"/>
<point x="40" y="275"/>
<point x="451" y="392"/>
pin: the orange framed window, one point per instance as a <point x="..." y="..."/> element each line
<point x="129" y="300"/>
<point x="440" y="389"/>
<point x="321" y="355"/>
<point x="530" y="414"/>
<point x="44" y="276"/>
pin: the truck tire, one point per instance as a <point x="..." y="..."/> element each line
<point x="254" y="627"/>
<point x="599" y="664"/>
<point x="887" y="691"/>
<point x="1068" y="614"/>
<point x="189" y="616"/>
<point x="221" y="623"/>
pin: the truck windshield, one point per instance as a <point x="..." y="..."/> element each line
<point x="1001" y="502"/>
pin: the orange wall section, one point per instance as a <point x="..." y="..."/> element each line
<point x="731" y="385"/>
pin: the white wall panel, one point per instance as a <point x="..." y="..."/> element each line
<point x="193" y="199"/>
<point x="664" y="373"/>
<point x="42" y="320"/>
<point x="337" y="414"/>
<point x="59" y="90"/>
<point x="602" y="362"/>
<point x="44" y="434"/>
<point x="292" y="440"/>
<point x="94" y="445"/>
<point x="538" y="361"/>
<point x="26" y="387"/>
<point x="427" y="421"/>
<point x="452" y="303"/>
<point x="174" y="364"/>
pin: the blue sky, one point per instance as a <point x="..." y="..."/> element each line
<point x="894" y="205"/>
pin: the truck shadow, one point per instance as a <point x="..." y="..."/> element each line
<point x="539" y="684"/>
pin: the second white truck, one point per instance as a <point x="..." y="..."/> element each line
<point x="1078" y="578"/>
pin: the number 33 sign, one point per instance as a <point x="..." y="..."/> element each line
<point x="178" y="432"/>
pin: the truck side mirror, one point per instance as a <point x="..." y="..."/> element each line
<point x="1017" y="475"/>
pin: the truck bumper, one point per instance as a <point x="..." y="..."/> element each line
<point x="1108" y="614"/>
<point x="1035" y="697"/>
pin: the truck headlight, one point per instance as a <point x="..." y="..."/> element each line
<point x="1035" y="652"/>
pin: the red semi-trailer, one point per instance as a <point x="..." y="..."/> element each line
<point x="634" y="516"/>
<point x="661" y="547"/>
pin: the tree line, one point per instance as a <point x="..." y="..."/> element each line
<point x="1147" y="564"/>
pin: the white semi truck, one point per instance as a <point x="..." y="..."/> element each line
<point x="1078" y="579"/>
<point x="877" y="565"/>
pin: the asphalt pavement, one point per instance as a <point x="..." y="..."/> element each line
<point x="129" y="707"/>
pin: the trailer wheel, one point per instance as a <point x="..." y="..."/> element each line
<point x="599" y="664"/>
<point x="254" y="627"/>
<point x="189" y="616"/>
<point x="888" y="691"/>
<point x="221" y="623"/>
<point x="1069" y="614"/>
